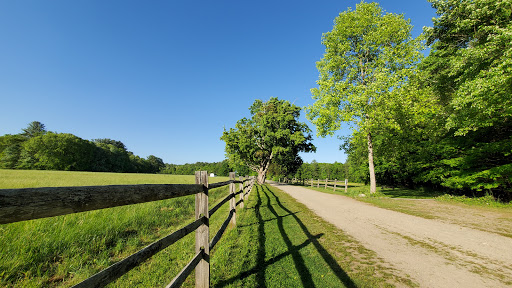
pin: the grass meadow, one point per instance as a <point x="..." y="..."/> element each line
<point x="62" y="251"/>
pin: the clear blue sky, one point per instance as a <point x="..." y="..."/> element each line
<point x="164" y="77"/>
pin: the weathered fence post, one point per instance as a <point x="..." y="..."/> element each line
<point x="326" y="179"/>
<point x="333" y="190"/>
<point x="241" y="190"/>
<point x="346" y="185"/>
<point x="311" y="182"/>
<point x="317" y="183"/>
<point x="232" y="201"/>
<point x="247" y="187"/>
<point x="202" y="233"/>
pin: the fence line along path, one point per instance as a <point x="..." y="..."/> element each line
<point x="34" y="203"/>
<point x="326" y="183"/>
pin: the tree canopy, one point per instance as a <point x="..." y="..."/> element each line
<point x="369" y="54"/>
<point x="449" y="125"/>
<point x="272" y="135"/>
<point x="36" y="148"/>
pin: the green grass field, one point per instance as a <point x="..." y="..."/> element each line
<point x="62" y="251"/>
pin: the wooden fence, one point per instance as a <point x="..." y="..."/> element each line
<point x="335" y="184"/>
<point x="33" y="203"/>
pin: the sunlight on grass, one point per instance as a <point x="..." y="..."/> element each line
<point x="62" y="251"/>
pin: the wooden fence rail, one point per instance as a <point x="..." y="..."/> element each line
<point x="335" y="184"/>
<point x="33" y="203"/>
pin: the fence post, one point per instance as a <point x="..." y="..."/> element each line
<point x="241" y="190"/>
<point x="317" y="183"/>
<point x="311" y="182"/>
<point x="202" y="233"/>
<point x="232" y="201"/>
<point x="326" y="179"/>
<point x="333" y="190"/>
<point x="346" y="185"/>
<point x="247" y="187"/>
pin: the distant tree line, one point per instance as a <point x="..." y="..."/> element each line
<point x="218" y="168"/>
<point x="313" y="170"/>
<point x="37" y="148"/>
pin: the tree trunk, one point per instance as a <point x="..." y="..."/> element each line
<point x="373" y="183"/>
<point x="262" y="175"/>
<point x="262" y="171"/>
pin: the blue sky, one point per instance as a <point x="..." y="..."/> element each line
<point x="165" y="77"/>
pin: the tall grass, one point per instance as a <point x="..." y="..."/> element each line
<point x="62" y="251"/>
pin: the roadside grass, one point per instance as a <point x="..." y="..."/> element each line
<point x="484" y="201"/>
<point x="361" y="191"/>
<point x="62" y="251"/>
<point x="281" y="243"/>
<point x="482" y="213"/>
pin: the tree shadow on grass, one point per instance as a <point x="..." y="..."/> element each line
<point x="331" y="262"/>
<point x="292" y="250"/>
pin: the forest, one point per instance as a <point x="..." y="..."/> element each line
<point x="37" y="148"/>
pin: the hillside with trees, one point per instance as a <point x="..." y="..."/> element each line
<point x="37" y="148"/>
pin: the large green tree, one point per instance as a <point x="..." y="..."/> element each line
<point x="369" y="53"/>
<point x="272" y="134"/>
<point x="470" y="70"/>
<point x="471" y="61"/>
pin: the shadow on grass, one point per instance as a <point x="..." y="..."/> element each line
<point x="292" y="250"/>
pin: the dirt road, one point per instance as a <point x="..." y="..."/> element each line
<point x="430" y="252"/>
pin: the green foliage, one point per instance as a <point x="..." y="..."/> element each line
<point x="314" y="170"/>
<point x="449" y="125"/>
<point x="53" y="151"/>
<point x="218" y="168"/>
<point x="10" y="150"/>
<point x="471" y="61"/>
<point x="36" y="148"/>
<point x="34" y="129"/>
<point x="369" y="55"/>
<point x="272" y="135"/>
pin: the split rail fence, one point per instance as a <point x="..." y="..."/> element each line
<point x="335" y="184"/>
<point x="33" y="203"/>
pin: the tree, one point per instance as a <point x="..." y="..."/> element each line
<point x="470" y="68"/>
<point x="34" y="129"/>
<point x="272" y="134"/>
<point x="107" y="141"/>
<point x="58" y="151"/>
<point x="470" y="62"/>
<point x="10" y="150"/>
<point x="156" y="163"/>
<point x="368" y="54"/>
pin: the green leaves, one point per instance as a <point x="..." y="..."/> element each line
<point x="273" y="134"/>
<point x="368" y="54"/>
<point x="471" y="61"/>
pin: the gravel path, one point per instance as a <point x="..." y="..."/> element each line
<point x="430" y="252"/>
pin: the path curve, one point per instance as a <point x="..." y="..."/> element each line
<point x="432" y="253"/>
